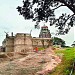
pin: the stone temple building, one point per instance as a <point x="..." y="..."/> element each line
<point x="22" y="42"/>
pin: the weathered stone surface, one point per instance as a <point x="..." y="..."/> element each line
<point x="22" y="42"/>
<point x="40" y="63"/>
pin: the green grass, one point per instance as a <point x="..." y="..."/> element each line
<point x="40" y="48"/>
<point x="65" y="66"/>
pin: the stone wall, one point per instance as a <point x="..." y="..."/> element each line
<point x="24" y="43"/>
<point x="9" y="44"/>
<point x="39" y="42"/>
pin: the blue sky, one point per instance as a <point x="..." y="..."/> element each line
<point x="11" y="21"/>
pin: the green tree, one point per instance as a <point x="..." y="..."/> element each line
<point x="44" y="11"/>
<point x="73" y="44"/>
<point x="58" y="41"/>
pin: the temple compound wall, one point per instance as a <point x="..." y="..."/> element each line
<point x="8" y="44"/>
<point x="22" y="42"/>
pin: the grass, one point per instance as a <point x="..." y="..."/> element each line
<point x="41" y="48"/>
<point x="65" y="66"/>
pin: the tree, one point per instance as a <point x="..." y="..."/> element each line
<point x="43" y="10"/>
<point x="58" y="41"/>
<point x="73" y="44"/>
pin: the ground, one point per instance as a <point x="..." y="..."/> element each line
<point x="32" y="63"/>
<point x="51" y="61"/>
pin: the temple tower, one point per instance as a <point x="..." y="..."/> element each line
<point x="44" y="33"/>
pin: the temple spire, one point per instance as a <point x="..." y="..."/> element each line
<point x="45" y="32"/>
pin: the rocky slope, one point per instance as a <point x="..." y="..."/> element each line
<point x="35" y="63"/>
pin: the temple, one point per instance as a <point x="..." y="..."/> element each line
<point x="22" y="42"/>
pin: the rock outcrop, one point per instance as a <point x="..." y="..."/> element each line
<point x="35" y="63"/>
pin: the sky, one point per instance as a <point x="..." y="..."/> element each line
<point x="11" y="21"/>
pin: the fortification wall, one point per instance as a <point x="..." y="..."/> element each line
<point x="9" y="44"/>
<point x="25" y="43"/>
<point x="22" y="43"/>
<point x="39" y="42"/>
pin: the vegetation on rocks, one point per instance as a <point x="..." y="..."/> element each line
<point x="64" y="68"/>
